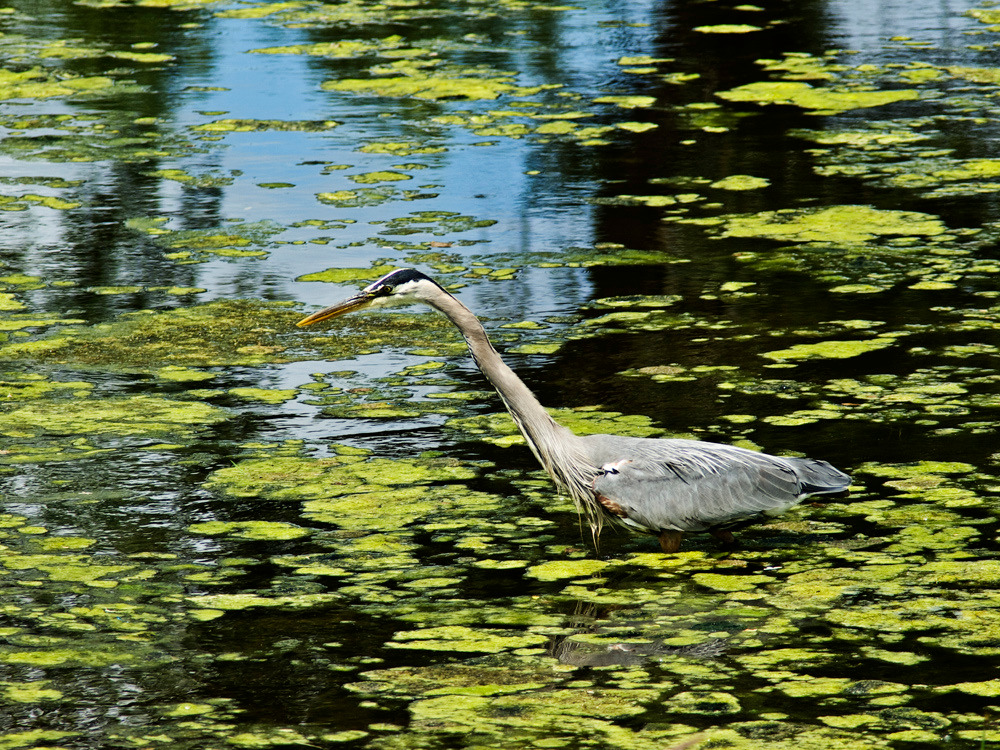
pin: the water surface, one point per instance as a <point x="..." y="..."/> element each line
<point x="775" y="227"/>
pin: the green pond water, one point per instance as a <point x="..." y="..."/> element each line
<point x="771" y="225"/>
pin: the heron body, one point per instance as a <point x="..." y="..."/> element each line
<point x="665" y="487"/>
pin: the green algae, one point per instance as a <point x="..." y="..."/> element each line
<point x="177" y="373"/>
<point x="801" y="66"/>
<point x="369" y="178"/>
<point x="341" y="49"/>
<point x="243" y="125"/>
<point x="838" y="226"/>
<point x="830" y="349"/>
<point x="347" y="275"/>
<point x="438" y="223"/>
<point x="36" y="83"/>
<point x="22" y="202"/>
<point x="135" y="415"/>
<point x="447" y="82"/>
<point x="257" y="530"/>
<point x="731" y="583"/>
<point x="32" y="738"/>
<point x="240" y="240"/>
<point x="221" y="603"/>
<point x="243" y="333"/>
<point x="351" y="491"/>
<point x="29" y="692"/>
<point x="741" y="182"/>
<point x="627" y="102"/>
<point x="555" y="570"/>
<point x="199" y="181"/>
<point x="66" y="568"/>
<point x="727" y="28"/>
<point x="918" y="469"/>
<point x="65" y="138"/>
<point x="530" y="714"/>
<point x="459" y="638"/>
<point x="817" y="101"/>
<point x="264" y="395"/>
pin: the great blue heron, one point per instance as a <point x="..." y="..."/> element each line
<point x="664" y="487"/>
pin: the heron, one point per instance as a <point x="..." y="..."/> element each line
<point x="666" y="487"/>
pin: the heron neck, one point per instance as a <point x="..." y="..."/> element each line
<point x="546" y="438"/>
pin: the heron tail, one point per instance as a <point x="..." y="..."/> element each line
<point x="820" y="478"/>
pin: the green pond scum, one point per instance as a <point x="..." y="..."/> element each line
<point x="220" y="531"/>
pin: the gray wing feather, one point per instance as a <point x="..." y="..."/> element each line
<point x="692" y="486"/>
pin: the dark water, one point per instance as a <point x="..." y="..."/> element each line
<point x="185" y="557"/>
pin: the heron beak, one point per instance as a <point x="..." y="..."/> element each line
<point x="362" y="299"/>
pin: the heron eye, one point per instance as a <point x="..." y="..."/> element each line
<point x="383" y="291"/>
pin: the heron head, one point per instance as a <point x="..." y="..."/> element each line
<point x="404" y="286"/>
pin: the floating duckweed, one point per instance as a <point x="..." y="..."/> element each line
<point x="21" y="202"/>
<point x="841" y="226"/>
<point x="535" y="348"/>
<point x="721" y="582"/>
<point x="35" y="83"/>
<point x="260" y="530"/>
<point x="637" y="127"/>
<point x="447" y="82"/>
<point x="32" y="737"/>
<point x="190" y="709"/>
<point x="244" y="333"/>
<point x="373" y="177"/>
<point x="246" y="240"/>
<point x="201" y="181"/>
<point x="654" y="301"/>
<point x="231" y="125"/>
<point x="741" y="182"/>
<point x="627" y="102"/>
<point x="347" y="275"/>
<point x="352" y="492"/>
<point x="9" y="303"/>
<point x="917" y="469"/>
<point x="801" y="66"/>
<point x="830" y="349"/>
<point x="265" y="395"/>
<point x="460" y="638"/>
<point x="400" y="148"/>
<point x="29" y="692"/>
<point x="181" y="374"/>
<point x="988" y="689"/>
<point x="348" y="735"/>
<point x="555" y="570"/>
<point x="135" y="415"/>
<point x="705" y="702"/>
<point x="819" y="101"/>
<point x="642" y="60"/>
<point x="857" y="289"/>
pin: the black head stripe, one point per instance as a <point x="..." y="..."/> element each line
<point x="402" y="276"/>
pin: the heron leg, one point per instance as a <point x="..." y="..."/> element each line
<point x="723" y="535"/>
<point x="670" y="540"/>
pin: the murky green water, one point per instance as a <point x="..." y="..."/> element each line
<point x="776" y="227"/>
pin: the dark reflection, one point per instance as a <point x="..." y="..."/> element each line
<point x="593" y="620"/>
<point x="633" y="654"/>
<point x="91" y="245"/>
